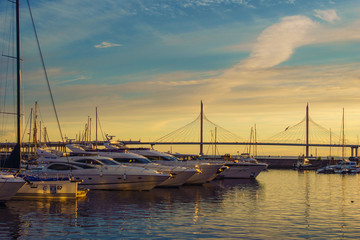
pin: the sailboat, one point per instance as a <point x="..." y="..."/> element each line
<point x="35" y="185"/>
<point x="345" y="165"/>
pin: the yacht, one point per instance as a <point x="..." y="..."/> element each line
<point x="9" y="185"/>
<point x="97" y="172"/>
<point x="179" y="175"/>
<point x="343" y="167"/>
<point x="241" y="167"/>
<point x="206" y="171"/>
<point x="49" y="187"/>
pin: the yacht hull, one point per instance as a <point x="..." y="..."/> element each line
<point x="178" y="178"/>
<point x="9" y="186"/>
<point x="49" y="189"/>
<point x="207" y="173"/>
<point x="242" y="170"/>
<point x="123" y="182"/>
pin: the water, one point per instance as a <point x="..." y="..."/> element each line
<point x="280" y="204"/>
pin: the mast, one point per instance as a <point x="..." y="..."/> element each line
<point x="96" y="128"/>
<point x="201" y="129"/>
<point x="215" y="139"/>
<point x="14" y="159"/>
<point x="255" y="142"/>
<point x="307" y="130"/>
<point x="330" y="142"/>
<point x="35" y="128"/>
<point x="343" y="135"/>
<point x="18" y="72"/>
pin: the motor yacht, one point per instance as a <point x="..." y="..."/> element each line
<point x="45" y="186"/>
<point x="179" y="175"/>
<point x="343" y="167"/>
<point x="97" y="172"/>
<point x="206" y="171"/>
<point x="241" y="167"/>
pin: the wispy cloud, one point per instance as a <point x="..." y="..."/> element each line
<point x="277" y="43"/>
<point x="74" y="79"/>
<point x="329" y="15"/>
<point x="107" y="45"/>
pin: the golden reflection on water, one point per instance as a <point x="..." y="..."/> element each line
<point x="279" y="204"/>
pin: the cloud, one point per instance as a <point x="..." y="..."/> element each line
<point x="327" y="15"/>
<point x="107" y="45"/>
<point x="74" y="79"/>
<point x="277" y="43"/>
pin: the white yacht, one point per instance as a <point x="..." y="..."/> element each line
<point x="97" y="172"/>
<point x="49" y="187"/>
<point x="241" y="167"/>
<point x="343" y="167"/>
<point x="206" y="171"/>
<point x="179" y="175"/>
<point x="9" y="185"/>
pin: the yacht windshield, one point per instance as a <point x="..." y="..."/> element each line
<point x="108" y="162"/>
<point x="132" y="160"/>
<point x="89" y="161"/>
<point x="164" y="158"/>
<point x="61" y="167"/>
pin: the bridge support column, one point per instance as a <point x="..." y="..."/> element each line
<point x="307" y="130"/>
<point x="354" y="149"/>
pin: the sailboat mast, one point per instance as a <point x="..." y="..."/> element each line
<point x="18" y="77"/>
<point x="343" y="135"/>
<point x="201" y="129"/>
<point x="96" y="131"/>
<point x="307" y="130"/>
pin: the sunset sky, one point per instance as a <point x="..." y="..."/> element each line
<point x="147" y="64"/>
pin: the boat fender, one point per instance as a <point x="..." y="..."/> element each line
<point x="125" y="177"/>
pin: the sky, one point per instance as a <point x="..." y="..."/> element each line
<point x="146" y="65"/>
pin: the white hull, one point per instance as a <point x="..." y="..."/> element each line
<point x="179" y="178"/>
<point x="208" y="172"/>
<point x="49" y="189"/>
<point x="9" y="186"/>
<point x="242" y="170"/>
<point x="124" y="182"/>
<point x="103" y="173"/>
<point x="179" y="175"/>
<point x="205" y="171"/>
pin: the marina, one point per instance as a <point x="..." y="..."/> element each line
<point x="145" y="171"/>
<point x="278" y="204"/>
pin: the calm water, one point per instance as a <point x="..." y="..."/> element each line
<point x="280" y="204"/>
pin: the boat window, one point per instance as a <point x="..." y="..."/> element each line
<point x="164" y="158"/>
<point x="61" y="167"/>
<point x="84" y="166"/>
<point x="170" y="158"/>
<point x="89" y="161"/>
<point x="108" y="162"/>
<point x="132" y="160"/>
<point x="154" y="157"/>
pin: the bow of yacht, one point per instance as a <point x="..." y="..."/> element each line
<point x="9" y="185"/>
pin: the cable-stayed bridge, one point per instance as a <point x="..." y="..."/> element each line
<point x="307" y="133"/>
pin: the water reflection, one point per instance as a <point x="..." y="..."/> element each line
<point x="10" y="223"/>
<point x="20" y="218"/>
<point x="278" y="205"/>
